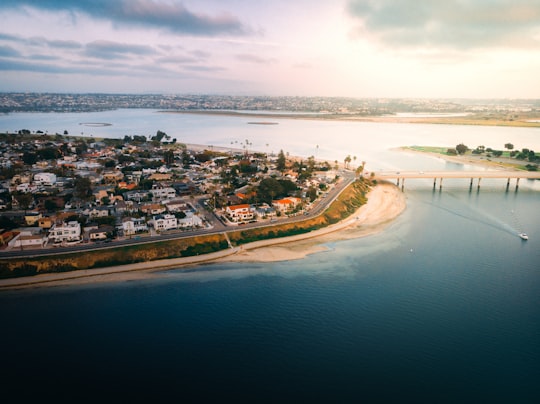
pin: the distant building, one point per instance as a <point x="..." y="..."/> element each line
<point x="113" y="177"/>
<point x="47" y="179"/>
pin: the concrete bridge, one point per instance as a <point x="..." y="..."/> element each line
<point x="401" y="176"/>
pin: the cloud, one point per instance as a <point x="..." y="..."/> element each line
<point x="171" y="16"/>
<point x="456" y="24"/>
<point x="61" y="44"/>
<point x="246" y="57"/>
<point x="41" y="41"/>
<point x="107" y="49"/>
<point x="8" y="51"/>
<point x="111" y="69"/>
<point x="179" y="60"/>
<point x="8" y="37"/>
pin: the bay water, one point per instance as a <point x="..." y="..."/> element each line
<point x="442" y="306"/>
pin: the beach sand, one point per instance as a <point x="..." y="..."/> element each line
<point x="385" y="203"/>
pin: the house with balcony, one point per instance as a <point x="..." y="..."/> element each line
<point x="162" y="193"/>
<point x="164" y="222"/>
<point x="134" y="225"/>
<point x="46" y="179"/>
<point x="286" y="205"/>
<point x="239" y="213"/>
<point x="65" y="232"/>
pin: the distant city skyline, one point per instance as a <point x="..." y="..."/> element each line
<point x="344" y="48"/>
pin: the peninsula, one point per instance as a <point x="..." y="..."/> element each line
<point x="137" y="200"/>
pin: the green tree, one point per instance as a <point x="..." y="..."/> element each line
<point x="29" y="158"/>
<point x="311" y="193"/>
<point x="347" y="161"/>
<point x="82" y="188"/>
<point x="50" y="205"/>
<point x="49" y="153"/>
<point x="271" y="188"/>
<point x="6" y="223"/>
<point x="509" y="146"/>
<point x="281" y="161"/>
<point x="24" y="200"/>
<point x="461" y="148"/>
<point x="168" y="157"/>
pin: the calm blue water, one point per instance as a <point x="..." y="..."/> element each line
<point x="443" y="306"/>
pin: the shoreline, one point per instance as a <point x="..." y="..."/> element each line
<point x="434" y="120"/>
<point x="494" y="163"/>
<point x="385" y="203"/>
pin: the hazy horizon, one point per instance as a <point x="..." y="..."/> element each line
<point x="478" y="49"/>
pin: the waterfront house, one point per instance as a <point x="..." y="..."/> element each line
<point x="70" y="231"/>
<point x="134" y="225"/>
<point x="191" y="220"/>
<point x="239" y="213"/>
<point x="101" y="233"/>
<point x="286" y="204"/>
<point x="27" y="240"/>
<point x="164" y="222"/>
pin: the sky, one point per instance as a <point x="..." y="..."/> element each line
<point x="336" y="48"/>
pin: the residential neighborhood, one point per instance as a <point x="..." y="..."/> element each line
<point x="59" y="190"/>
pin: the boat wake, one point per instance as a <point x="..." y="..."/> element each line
<point x="482" y="217"/>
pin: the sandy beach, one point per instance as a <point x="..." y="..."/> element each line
<point x="385" y="203"/>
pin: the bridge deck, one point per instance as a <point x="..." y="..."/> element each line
<point x="458" y="174"/>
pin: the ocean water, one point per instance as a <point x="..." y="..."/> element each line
<point x="442" y="306"/>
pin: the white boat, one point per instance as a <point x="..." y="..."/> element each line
<point x="523" y="236"/>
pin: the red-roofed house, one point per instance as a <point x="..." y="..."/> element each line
<point x="286" y="204"/>
<point x="239" y="213"/>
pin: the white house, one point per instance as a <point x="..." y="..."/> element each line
<point x="134" y="225"/>
<point x="27" y="239"/>
<point x="191" y="220"/>
<point x="239" y="213"/>
<point x="176" y="205"/>
<point x="47" y="179"/>
<point x="70" y="231"/>
<point x="162" y="193"/>
<point x="164" y="222"/>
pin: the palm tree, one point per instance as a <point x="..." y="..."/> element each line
<point x="347" y="161"/>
